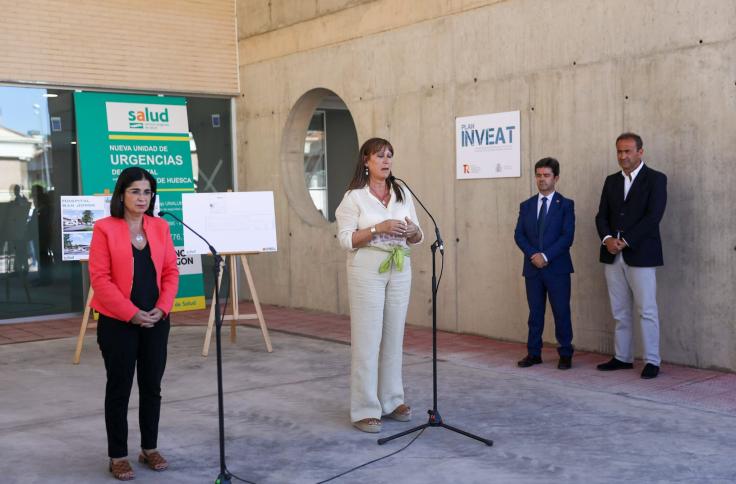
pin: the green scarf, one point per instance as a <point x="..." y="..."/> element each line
<point x="395" y="257"/>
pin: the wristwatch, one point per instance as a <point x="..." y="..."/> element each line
<point x="373" y="230"/>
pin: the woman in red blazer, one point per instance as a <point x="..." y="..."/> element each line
<point x="132" y="268"/>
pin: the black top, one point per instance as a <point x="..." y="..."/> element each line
<point x="636" y="217"/>
<point x="144" y="293"/>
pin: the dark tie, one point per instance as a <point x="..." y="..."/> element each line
<point x="540" y="219"/>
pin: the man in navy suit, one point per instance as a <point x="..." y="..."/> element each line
<point x="632" y="205"/>
<point x="544" y="233"/>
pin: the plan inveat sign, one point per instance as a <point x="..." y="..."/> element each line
<point x="488" y="146"/>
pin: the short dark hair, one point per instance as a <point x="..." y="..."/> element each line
<point x="548" y="163"/>
<point x="634" y="136"/>
<point x="126" y="179"/>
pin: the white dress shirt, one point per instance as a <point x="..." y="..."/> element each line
<point x="628" y="181"/>
<point x="539" y="202"/>
<point x="360" y="209"/>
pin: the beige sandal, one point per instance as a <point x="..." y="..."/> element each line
<point x="402" y="413"/>
<point x="370" y="425"/>
<point x="121" y="470"/>
<point x="154" y="460"/>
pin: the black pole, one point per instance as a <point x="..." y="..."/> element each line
<point x="434" y="328"/>
<point x="435" y="419"/>
<point x="224" y="477"/>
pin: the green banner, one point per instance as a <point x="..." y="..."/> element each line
<point x="116" y="131"/>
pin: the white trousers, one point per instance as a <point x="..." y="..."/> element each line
<point x="634" y="288"/>
<point x="378" y="304"/>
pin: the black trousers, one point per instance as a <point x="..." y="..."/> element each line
<point x="125" y="346"/>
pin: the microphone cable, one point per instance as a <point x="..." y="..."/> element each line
<point x="440" y="242"/>
<point x="374" y="460"/>
<point x="238" y="478"/>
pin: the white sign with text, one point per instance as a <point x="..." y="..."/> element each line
<point x="488" y="146"/>
<point x="233" y="222"/>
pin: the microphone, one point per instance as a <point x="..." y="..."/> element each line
<point x="212" y="249"/>
<point x="439" y="242"/>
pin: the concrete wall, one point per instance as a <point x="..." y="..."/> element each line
<point x="580" y="72"/>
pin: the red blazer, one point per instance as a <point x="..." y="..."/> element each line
<point x="111" y="266"/>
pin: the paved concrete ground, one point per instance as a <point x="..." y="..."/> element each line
<point x="286" y="419"/>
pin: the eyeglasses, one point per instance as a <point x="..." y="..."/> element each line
<point x="136" y="192"/>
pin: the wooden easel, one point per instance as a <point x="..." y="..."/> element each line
<point x="85" y="321"/>
<point x="87" y="308"/>
<point x="236" y="316"/>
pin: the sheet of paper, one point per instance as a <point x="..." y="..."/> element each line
<point x="230" y="221"/>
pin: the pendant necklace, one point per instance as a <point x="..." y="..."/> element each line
<point x="139" y="236"/>
<point x="385" y="199"/>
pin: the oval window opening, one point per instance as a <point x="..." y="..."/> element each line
<point x="319" y="150"/>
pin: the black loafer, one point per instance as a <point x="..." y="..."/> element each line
<point x="529" y="360"/>
<point x="650" y="371"/>
<point x="615" y="364"/>
<point x="565" y="363"/>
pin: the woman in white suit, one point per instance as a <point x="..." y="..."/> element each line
<point x="377" y="222"/>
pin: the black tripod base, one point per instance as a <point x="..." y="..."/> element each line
<point x="435" y="420"/>
<point x="223" y="479"/>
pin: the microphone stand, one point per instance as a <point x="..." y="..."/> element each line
<point x="224" y="477"/>
<point x="435" y="419"/>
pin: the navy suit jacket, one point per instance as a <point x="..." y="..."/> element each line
<point x="559" y="231"/>
<point x="637" y="217"/>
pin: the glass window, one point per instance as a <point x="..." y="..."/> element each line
<point x="37" y="166"/>
<point x="315" y="161"/>
<point x="212" y="156"/>
<point x="211" y="143"/>
<point x="330" y="154"/>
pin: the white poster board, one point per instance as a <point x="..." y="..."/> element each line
<point x="488" y="146"/>
<point x="230" y="221"/>
<point x="78" y="216"/>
